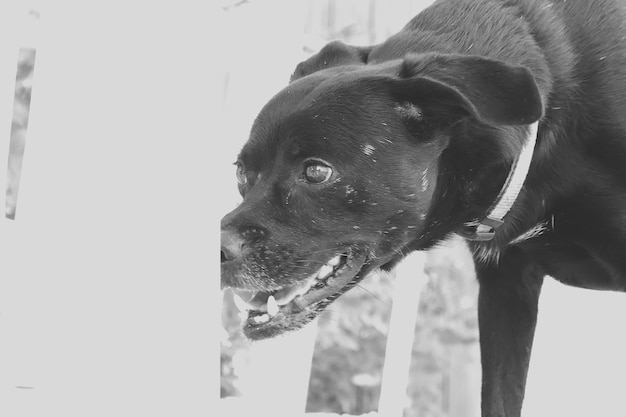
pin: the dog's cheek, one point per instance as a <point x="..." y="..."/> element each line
<point x="316" y="210"/>
<point x="399" y="229"/>
<point x="356" y="199"/>
<point x="295" y="206"/>
<point x="344" y="199"/>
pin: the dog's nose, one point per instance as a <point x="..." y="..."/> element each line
<point x="232" y="246"/>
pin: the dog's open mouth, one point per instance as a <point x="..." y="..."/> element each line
<point x="267" y="314"/>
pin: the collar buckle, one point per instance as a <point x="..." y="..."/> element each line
<point x="481" y="231"/>
<point x="485" y="229"/>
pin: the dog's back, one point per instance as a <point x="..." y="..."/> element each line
<point x="576" y="49"/>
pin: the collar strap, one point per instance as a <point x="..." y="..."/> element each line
<point x="485" y="229"/>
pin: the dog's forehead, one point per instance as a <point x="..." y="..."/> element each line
<point x="268" y="126"/>
<point x="329" y="108"/>
<point x="306" y="92"/>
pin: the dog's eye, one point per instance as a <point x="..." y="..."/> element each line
<point x="241" y="174"/>
<point x="317" y="173"/>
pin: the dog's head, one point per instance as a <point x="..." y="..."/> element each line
<point x="351" y="167"/>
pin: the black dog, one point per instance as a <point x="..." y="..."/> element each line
<point x="373" y="152"/>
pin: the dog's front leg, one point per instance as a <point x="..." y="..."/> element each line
<point x="507" y="314"/>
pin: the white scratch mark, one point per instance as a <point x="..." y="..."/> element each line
<point x="425" y="180"/>
<point x="368" y="149"/>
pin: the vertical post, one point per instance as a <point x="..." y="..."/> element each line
<point x="18" y="24"/>
<point x="464" y="394"/>
<point x="17" y="48"/>
<point x="408" y="284"/>
<point x="275" y="380"/>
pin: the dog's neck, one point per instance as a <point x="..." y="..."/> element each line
<point x="485" y="229"/>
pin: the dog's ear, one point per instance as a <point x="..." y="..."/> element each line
<point x="456" y="86"/>
<point x="334" y="54"/>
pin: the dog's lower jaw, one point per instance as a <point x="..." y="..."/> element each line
<point x="269" y="319"/>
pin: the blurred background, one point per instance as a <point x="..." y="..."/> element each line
<point x="109" y="299"/>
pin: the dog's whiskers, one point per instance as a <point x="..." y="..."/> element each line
<point x="330" y="252"/>
<point x="370" y="293"/>
<point x="312" y="261"/>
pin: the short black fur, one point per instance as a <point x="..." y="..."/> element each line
<point x="420" y="133"/>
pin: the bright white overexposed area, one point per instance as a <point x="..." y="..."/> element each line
<point x="108" y="300"/>
<point x="578" y="363"/>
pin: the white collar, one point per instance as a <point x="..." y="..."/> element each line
<point x="485" y="229"/>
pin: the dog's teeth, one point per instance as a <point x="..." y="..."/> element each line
<point x="324" y="271"/>
<point x="263" y="318"/>
<point x="335" y="261"/>
<point x="284" y="299"/>
<point x="285" y="296"/>
<point x="272" y="306"/>
<point x="242" y="306"/>
<point x="304" y="289"/>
